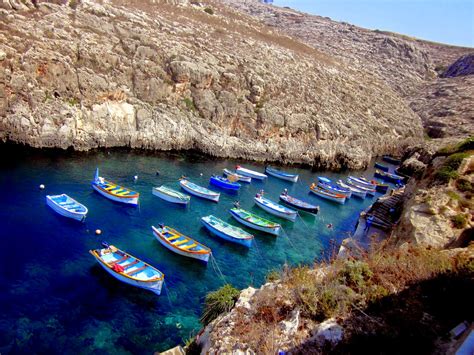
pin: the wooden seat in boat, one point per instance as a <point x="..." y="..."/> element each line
<point x="179" y="242"/>
<point x="173" y="237"/>
<point x="186" y="247"/>
<point x="131" y="264"/>
<point x="136" y="271"/>
<point x="125" y="257"/>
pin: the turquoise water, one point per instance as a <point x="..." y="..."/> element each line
<point x="56" y="299"/>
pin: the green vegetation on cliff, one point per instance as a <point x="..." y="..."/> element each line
<point x="397" y="299"/>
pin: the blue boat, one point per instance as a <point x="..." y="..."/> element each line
<point x="227" y="231"/>
<point x="389" y="177"/>
<point x="281" y="174"/>
<point x="224" y="183"/>
<point x="391" y="160"/>
<point x="326" y="184"/>
<point x="379" y="187"/>
<point x="381" y="167"/>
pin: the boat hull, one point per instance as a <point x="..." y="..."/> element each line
<point x="365" y="186"/>
<point x="154" y="286"/>
<point x="269" y="230"/>
<point x="242" y="178"/>
<point x="381" y="167"/>
<point x="250" y="173"/>
<point x="128" y="200"/>
<point x="245" y="242"/>
<point x="329" y="188"/>
<point x="291" y="178"/>
<point x="166" y="244"/>
<point x="340" y="200"/>
<point x="355" y="191"/>
<point x="169" y="198"/>
<point x="224" y="185"/>
<point x="389" y="177"/>
<point x="391" y="160"/>
<point x="290" y="217"/>
<point x="212" y="197"/>
<point x="78" y="216"/>
<point x="313" y="209"/>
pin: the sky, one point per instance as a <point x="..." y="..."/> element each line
<point x="445" y="21"/>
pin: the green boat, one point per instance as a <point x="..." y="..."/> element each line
<point x="256" y="222"/>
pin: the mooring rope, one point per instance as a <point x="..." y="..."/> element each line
<point x="167" y="293"/>
<point x="259" y="252"/>
<point x="216" y="268"/>
<point x="289" y="240"/>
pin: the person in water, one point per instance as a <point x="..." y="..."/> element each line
<point x="329" y="226"/>
<point x="237" y="204"/>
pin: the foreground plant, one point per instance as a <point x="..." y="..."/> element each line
<point x="218" y="302"/>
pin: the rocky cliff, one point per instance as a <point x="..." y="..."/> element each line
<point x="425" y="73"/>
<point x="178" y="75"/>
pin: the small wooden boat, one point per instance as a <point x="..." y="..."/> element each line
<point x="251" y="173"/>
<point x="171" y="195"/>
<point x="129" y="269"/>
<point x="397" y="179"/>
<point x="232" y="175"/>
<point x="113" y="191"/>
<point x="66" y="206"/>
<point x="227" y="231"/>
<point x="275" y="209"/>
<point x="181" y="244"/>
<point x="251" y="220"/>
<point x="199" y="191"/>
<point x="391" y="160"/>
<point x="281" y="174"/>
<point x="327" y="185"/>
<point x="299" y="204"/>
<point x="379" y="187"/>
<point x="355" y="191"/>
<point x="361" y="182"/>
<point x="224" y="183"/>
<point x="331" y="196"/>
<point x="381" y="167"/>
<point x="361" y="185"/>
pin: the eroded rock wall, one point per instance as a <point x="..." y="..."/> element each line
<point x="157" y="75"/>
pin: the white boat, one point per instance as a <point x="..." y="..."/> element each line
<point x="369" y="189"/>
<point x="66" y="206"/>
<point x="355" y="191"/>
<point x="171" y="195"/>
<point x="326" y="184"/>
<point x="276" y="209"/>
<point x="239" y="177"/>
<point x="181" y="244"/>
<point x="281" y="174"/>
<point x="247" y="172"/>
<point x="328" y="195"/>
<point x="199" y="191"/>
<point x="129" y="269"/>
<point x="227" y="231"/>
<point x="113" y="191"/>
<point x="253" y="221"/>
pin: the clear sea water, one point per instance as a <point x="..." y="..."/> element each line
<point x="54" y="297"/>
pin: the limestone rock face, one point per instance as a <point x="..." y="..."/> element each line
<point x="428" y="214"/>
<point x="168" y="75"/>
